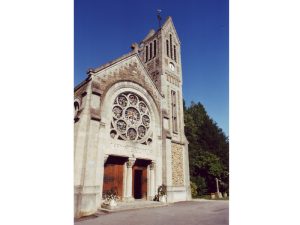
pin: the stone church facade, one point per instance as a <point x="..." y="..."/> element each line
<point x="129" y="126"/>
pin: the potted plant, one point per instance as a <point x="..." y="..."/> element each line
<point x="110" y="199"/>
<point x="162" y="193"/>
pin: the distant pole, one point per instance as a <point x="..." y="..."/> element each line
<point x="159" y="18"/>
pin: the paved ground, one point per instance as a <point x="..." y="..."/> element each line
<point x="181" y="213"/>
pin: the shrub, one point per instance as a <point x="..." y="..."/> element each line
<point x="194" y="190"/>
<point x="201" y="185"/>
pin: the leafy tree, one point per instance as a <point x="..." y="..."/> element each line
<point x="208" y="149"/>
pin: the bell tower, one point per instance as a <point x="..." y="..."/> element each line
<point x="160" y="52"/>
<point x="171" y="79"/>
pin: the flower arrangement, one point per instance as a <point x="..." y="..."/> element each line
<point x="162" y="194"/>
<point x="162" y="190"/>
<point x="110" y="196"/>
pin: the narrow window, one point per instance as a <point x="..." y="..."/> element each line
<point x="150" y="50"/>
<point x="76" y="108"/>
<point x="171" y="46"/>
<point x="174" y="111"/>
<point x="167" y="43"/>
<point x="154" y="48"/>
<point x="146" y="53"/>
<point x="175" y="53"/>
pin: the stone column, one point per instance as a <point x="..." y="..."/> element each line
<point x="100" y="173"/>
<point x="152" y="180"/>
<point x="168" y="161"/>
<point x="129" y="165"/>
<point x="124" y="192"/>
<point x="186" y="171"/>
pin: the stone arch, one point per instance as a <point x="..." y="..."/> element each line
<point x="146" y="86"/>
<point x="77" y="106"/>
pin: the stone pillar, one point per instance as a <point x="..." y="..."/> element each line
<point x="168" y="179"/>
<point x="129" y="165"/>
<point x="152" y="180"/>
<point x="124" y="193"/>
<point x="186" y="170"/>
<point x="87" y="179"/>
<point x="105" y="157"/>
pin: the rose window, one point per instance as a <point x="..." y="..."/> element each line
<point x="132" y="115"/>
<point x="131" y="119"/>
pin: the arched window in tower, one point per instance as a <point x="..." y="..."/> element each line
<point x="174" y="111"/>
<point x="150" y="50"/>
<point x="175" y="53"/>
<point x="146" y="53"/>
<point x="167" y="44"/>
<point x="76" y="107"/>
<point x="154" y="48"/>
<point x="171" y="51"/>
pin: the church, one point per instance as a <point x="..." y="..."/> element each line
<point x="129" y="126"/>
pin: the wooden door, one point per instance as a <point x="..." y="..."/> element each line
<point x="113" y="178"/>
<point x="137" y="187"/>
<point x="139" y="182"/>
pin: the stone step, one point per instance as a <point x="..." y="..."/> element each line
<point x="137" y="204"/>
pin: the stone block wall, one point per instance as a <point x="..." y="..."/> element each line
<point x="177" y="165"/>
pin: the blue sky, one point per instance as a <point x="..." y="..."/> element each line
<point x="104" y="30"/>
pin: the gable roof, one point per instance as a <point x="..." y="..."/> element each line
<point x="104" y="66"/>
<point x="113" y="61"/>
<point x="123" y="58"/>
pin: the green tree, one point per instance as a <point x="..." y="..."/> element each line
<point x="208" y="149"/>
